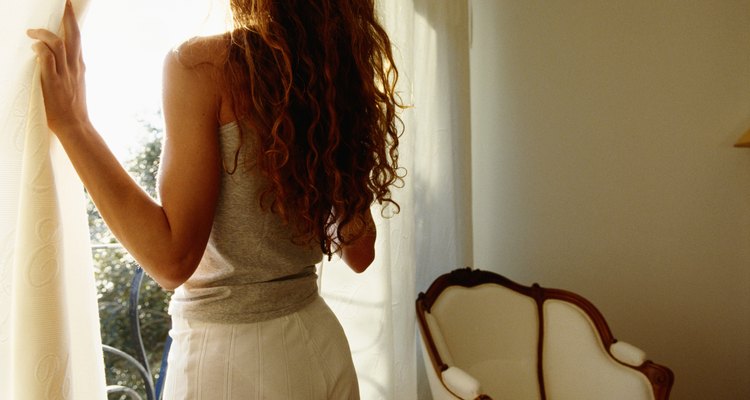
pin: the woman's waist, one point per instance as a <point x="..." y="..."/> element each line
<point x="247" y="302"/>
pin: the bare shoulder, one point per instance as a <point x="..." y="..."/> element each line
<point x="196" y="69"/>
<point x="193" y="82"/>
<point x="202" y="52"/>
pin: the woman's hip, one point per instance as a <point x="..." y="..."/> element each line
<point x="303" y="355"/>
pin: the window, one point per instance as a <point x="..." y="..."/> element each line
<point x="124" y="45"/>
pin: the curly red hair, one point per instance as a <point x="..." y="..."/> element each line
<point x="316" y="79"/>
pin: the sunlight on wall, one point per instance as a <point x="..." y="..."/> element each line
<point x="124" y="45"/>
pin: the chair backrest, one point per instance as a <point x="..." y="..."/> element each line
<point x="489" y="326"/>
<point x="491" y="333"/>
<point x="577" y="364"/>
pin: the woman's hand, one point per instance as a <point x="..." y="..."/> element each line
<point x="62" y="71"/>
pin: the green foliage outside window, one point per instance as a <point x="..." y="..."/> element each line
<point x="114" y="269"/>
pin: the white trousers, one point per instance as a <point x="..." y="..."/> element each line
<point x="304" y="355"/>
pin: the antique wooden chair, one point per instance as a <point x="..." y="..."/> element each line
<point x="486" y="337"/>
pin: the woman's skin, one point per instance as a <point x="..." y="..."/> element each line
<point x="167" y="239"/>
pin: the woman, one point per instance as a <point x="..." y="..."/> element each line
<point x="279" y="136"/>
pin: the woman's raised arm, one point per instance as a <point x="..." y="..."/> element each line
<point x="167" y="239"/>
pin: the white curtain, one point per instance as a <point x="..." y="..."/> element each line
<point x="50" y="346"/>
<point x="432" y="234"/>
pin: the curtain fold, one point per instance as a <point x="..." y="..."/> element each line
<point x="432" y="234"/>
<point x="50" y="345"/>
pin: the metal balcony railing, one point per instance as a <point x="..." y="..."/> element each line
<point x="139" y="361"/>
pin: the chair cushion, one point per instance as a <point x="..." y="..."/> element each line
<point x="488" y="329"/>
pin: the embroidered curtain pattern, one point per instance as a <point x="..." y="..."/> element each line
<point x="50" y="346"/>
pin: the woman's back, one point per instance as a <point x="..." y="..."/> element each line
<point x="252" y="270"/>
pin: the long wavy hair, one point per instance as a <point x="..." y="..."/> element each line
<point x="316" y="80"/>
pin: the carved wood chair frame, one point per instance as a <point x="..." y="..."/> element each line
<point x="661" y="377"/>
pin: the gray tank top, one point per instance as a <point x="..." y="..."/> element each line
<point x="251" y="270"/>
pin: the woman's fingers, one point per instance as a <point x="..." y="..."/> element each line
<point x="72" y="34"/>
<point x="45" y="55"/>
<point x="62" y="72"/>
<point x="65" y="52"/>
<point x="54" y="45"/>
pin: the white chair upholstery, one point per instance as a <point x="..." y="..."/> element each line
<point x="507" y="366"/>
<point x="570" y="338"/>
<point x="481" y="338"/>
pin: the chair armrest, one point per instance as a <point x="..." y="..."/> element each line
<point x="460" y="383"/>
<point x="437" y="339"/>
<point x="628" y="354"/>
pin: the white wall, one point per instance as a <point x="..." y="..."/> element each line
<point x="602" y="163"/>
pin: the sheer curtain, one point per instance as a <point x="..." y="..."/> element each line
<point x="432" y="234"/>
<point x="50" y="346"/>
